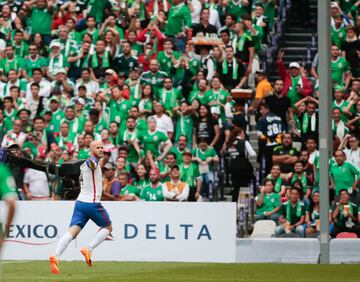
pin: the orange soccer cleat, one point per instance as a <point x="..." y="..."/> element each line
<point x="54" y="265"/>
<point x="87" y="254"/>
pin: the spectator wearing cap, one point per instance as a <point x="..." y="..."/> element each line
<point x="340" y="69"/>
<point x="56" y="114"/>
<point x="111" y="184"/>
<point x="57" y="61"/>
<point x="346" y="215"/>
<point x="92" y="87"/>
<point x="350" y="47"/>
<point x="62" y="82"/>
<point x="292" y="215"/>
<point x="231" y="71"/>
<point x="38" y="77"/>
<point x="296" y="85"/>
<point x="175" y="189"/>
<point x="263" y="89"/>
<point x="100" y="61"/>
<point x="125" y="62"/>
<point x="67" y="45"/>
<point x="11" y="62"/>
<point x="190" y="174"/>
<point x="36" y="185"/>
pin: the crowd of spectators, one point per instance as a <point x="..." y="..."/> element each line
<point x="154" y="81"/>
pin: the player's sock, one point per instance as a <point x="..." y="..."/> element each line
<point x="63" y="243"/>
<point x="99" y="238"/>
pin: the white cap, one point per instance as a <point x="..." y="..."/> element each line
<point x="55" y="44"/>
<point x="62" y="70"/>
<point x="215" y="110"/>
<point x="294" y="65"/>
<point x="334" y="5"/>
<point x="81" y="101"/>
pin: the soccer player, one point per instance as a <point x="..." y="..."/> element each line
<point x="7" y="194"/>
<point x="87" y="207"/>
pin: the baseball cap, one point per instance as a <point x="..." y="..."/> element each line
<point x="109" y="166"/>
<point x="80" y="101"/>
<point x="54" y="98"/>
<point x="294" y="65"/>
<point x="109" y="71"/>
<point x="334" y="5"/>
<point x="261" y="72"/>
<point x="339" y="88"/>
<point x="55" y="44"/>
<point x="62" y="70"/>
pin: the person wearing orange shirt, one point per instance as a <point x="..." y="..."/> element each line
<point x="263" y="89"/>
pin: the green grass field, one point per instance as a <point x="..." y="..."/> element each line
<point x="130" y="271"/>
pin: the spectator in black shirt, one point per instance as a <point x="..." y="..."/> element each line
<point x="243" y="46"/>
<point x="351" y="47"/>
<point x="231" y="71"/>
<point x="204" y="27"/>
<point x="279" y="104"/>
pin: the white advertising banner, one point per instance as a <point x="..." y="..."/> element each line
<point x="158" y="231"/>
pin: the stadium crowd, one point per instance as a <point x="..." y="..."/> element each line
<point x="156" y="82"/>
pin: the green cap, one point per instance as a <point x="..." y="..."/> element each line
<point x="339" y="88"/>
